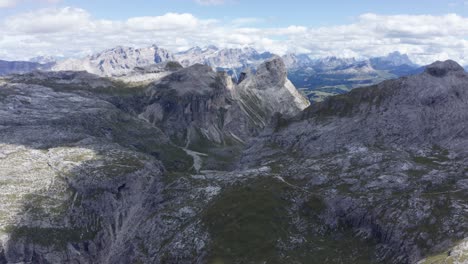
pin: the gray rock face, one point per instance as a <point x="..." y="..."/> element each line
<point x="393" y="59"/>
<point x="442" y="68"/>
<point x="269" y="91"/>
<point x="197" y="101"/>
<point x="150" y="73"/>
<point x="83" y="80"/>
<point x="296" y="61"/>
<point x="117" y="61"/>
<point x="192" y="102"/>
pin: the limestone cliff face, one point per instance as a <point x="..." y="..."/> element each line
<point x="199" y="101"/>
<point x="192" y="102"/>
<point x="117" y="61"/>
<point x="269" y="91"/>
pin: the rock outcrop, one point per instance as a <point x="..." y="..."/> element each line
<point x="269" y="91"/>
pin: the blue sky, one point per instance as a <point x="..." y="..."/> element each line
<point x="275" y="13"/>
<point x="426" y="30"/>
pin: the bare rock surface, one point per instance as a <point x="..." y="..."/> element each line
<point x="116" y="61"/>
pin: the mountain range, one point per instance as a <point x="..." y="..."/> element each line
<point x="316" y="78"/>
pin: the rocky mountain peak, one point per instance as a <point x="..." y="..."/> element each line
<point x="43" y="59"/>
<point x="211" y="47"/>
<point x="396" y="58"/>
<point x="270" y="89"/>
<point x="442" y="68"/>
<point x="272" y="72"/>
<point x="198" y="78"/>
<point x="295" y="61"/>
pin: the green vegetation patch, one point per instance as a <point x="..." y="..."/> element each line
<point x="115" y="87"/>
<point x="447" y="257"/>
<point x="416" y="173"/>
<point x="50" y="237"/>
<point x="4" y="93"/>
<point x="221" y="156"/>
<point x="335" y="247"/>
<point x="173" y="66"/>
<point x="438" y="156"/>
<point x="427" y="161"/>
<point x="247" y="221"/>
<point x="130" y="132"/>
<point x="122" y="165"/>
<point x="347" y="104"/>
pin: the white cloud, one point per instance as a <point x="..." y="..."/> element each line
<point x="210" y="2"/>
<point x="74" y="32"/>
<point x="169" y="21"/>
<point x="48" y="20"/>
<point x="12" y="3"/>
<point x="8" y="3"/>
<point x="241" y="21"/>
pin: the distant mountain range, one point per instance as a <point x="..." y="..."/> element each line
<point x="232" y="60"/>
<point x="11" y="67"/>
<point x="323" y="77"/>
<point x="316" y="78"/>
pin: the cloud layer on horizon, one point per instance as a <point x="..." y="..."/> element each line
<point x="73" y="32"/>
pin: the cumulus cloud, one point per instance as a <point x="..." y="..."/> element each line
<point x="169" y="21"/>
<point x="49" y="20"/>
<point x="74" y="32"/>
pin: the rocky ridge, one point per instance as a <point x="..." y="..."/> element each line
<point x="116" y="61"/>
<point x="10" y="67"/>
<point x="227" y="58"/>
